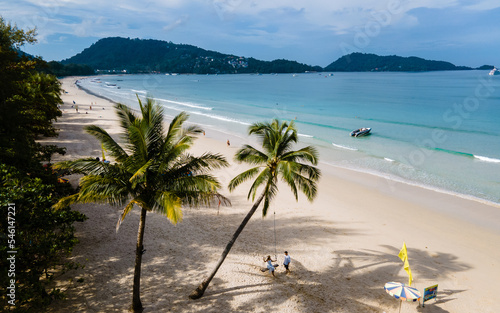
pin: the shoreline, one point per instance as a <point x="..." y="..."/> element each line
<point x="223" y="135"/>
<point x="344" y="245"/>
<point x="394" y="179"/>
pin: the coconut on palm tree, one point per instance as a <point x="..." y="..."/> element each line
<point x="276" y="161"/>
<point x="151" y="170"/>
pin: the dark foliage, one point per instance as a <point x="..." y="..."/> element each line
<point x="60" y="70"/>
<point x="43" y="237"/>
<point x="486" y="67"/>
<point x="40" y="236"/>
<point x="28" y="100"/>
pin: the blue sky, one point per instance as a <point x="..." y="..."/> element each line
<point x="315" y="32"/>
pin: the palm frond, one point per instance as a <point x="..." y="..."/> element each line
<point x="264" y="176"/>
<point x="65" y="202"/>
<point x="287" y="136"/>
<point x="168" y="204"/>
<point x="107" y="141"/>
<point x="270" y="193"/>
<point x="249" y="154"/>
<point x="175" y="127"/>
<point x="287" y="171"/>
<point x="103" y="189"/>
<point x="307" y="186"/>
<point x="125" y="211"/>
<point x="152" y="122"/>
<point x="137" y="143"/>
<point x="309" y="154"/>
<point x="197" y="199"/>
<point x="125" y="116"/>
<point x="87" y="166"/>
<point x="242" y="177"/>
<point x="139" y="174"/>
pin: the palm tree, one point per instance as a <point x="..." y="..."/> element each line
<point x="277" y="160"/>
<point x="151" y="170"/>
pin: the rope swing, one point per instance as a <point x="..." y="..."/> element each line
<point x="275" y="249"/>
<point x="275" y="253"/>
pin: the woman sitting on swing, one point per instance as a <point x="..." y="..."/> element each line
<point x="270" y="266"/>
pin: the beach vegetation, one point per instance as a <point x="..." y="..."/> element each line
<point x="41" y="237"/>
<point x="60" y="70"/>
<point x="29" y="100"/>
<point x="275" y="161"/>
<point x="151" y="170"/>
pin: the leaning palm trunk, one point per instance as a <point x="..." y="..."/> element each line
<point x="136" y="293"/>
<point x="198" y="292"/>
<point x="276" y="160"/>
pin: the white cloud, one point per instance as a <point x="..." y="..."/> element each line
<point x="484" y="5"/>
<point x="337" y="17"/>
<point x="176" y="23"/>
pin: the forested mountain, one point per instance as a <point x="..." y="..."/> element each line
<point x="148" y="55"/>
<point x="364" y="62"/>
<point x="116" y="54"/>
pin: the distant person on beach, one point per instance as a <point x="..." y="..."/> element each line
<point x="286" y="262"/>
<point x="269" y="265"/>
<point x="74" y="102"/>
<point x="228" y="143"/>
<point x="76" y="108"/>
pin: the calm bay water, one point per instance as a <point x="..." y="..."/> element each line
<point x="436" y="129"/>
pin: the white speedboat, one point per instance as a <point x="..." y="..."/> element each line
<point x="494" y="71"/>
<point x="360" y="132"/>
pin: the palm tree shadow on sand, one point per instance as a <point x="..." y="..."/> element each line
<point x="352" y="283"/>
<point x="345" y="287"/>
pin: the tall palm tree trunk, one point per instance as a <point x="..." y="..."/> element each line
<point x="198" y="292"/>
<point x="136" y="293"/>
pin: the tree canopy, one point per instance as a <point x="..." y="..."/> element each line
<point x="40" y="237"/>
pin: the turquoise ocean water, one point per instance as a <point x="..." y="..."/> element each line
<point x="440" y="130"/>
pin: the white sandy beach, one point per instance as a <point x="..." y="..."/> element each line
<point x="344" y="246"/>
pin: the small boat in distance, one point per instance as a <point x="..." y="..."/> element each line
<point x="361" y="132"/>
<point x="494" y="71"/>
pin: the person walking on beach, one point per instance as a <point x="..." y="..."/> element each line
<point x="228" y="143"/>
<point x="270" y="266"/>
<point x="286" y="262"/>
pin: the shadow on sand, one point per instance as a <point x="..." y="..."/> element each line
<point x="176" y="260"/>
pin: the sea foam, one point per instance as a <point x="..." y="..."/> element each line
<point x="486" y="159"/>
<point x="344" y="147"/>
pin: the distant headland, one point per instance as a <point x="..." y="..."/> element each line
<point x="125" y="55"/>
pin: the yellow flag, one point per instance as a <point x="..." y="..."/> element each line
<point x="403" y="255"/>
<point x="408" y="270"/>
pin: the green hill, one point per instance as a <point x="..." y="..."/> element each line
<point x="366" y="62"/>
<point x="148" y="55"/>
